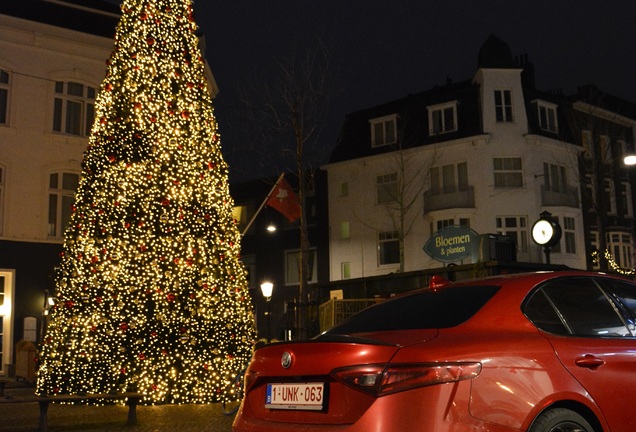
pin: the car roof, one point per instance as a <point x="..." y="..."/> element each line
<point x="531" y="278"/>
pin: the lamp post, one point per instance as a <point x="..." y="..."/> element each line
<point x="266" y="289"/>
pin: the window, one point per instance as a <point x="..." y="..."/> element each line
<point x="503" y="106"/>
<point x="243" y="216"/>
<point x="606" y="149"/>
<point x="547" y="117"/>
<point x="73" y="109"/>
<point x="610" y="200"/>
<point x="508" y="172"/>
<point x="514" y="226"/>
<point x="423" y="310"/>
<point x="626" y="199"/>
<point x="586" y="142"/>
<point x="388" y="248"/>
<point x="443" y="223"/>
<point x="2" y="189"/>
<point x="62" y="187"/>
<point x="292" y="267"/>
<point x="583" y="309"/>
<point x="383" y="131"/>
<point x="4" y="97"/>
<point x="344" y="189"/>
<point x="386" y="188"/>
<point x="344" y="230"/>
<point x="449" y="179"/>
<point x="442" y="118"/>
<point x="620" y="246"/>
<point x="345" y="270"/>
<point x="555" y="178"/>
<point x="569" y="235"/>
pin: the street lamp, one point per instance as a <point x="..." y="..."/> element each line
<point x="266" y="289"/>
<point x="630" y="160"/>
<point x="546" y="232"/>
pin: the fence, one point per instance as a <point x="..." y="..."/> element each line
<point x="335" y="311"/>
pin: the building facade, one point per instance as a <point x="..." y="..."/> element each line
<point x="491" y="153"/>
<point x="52" y="61"/>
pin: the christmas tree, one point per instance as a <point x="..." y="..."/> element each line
<point x="151" y="295"/>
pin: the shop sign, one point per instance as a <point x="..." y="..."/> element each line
<point x="452" y="244"/>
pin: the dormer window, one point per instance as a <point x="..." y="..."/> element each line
<point x="547" y="116"/>
<point x="503" y="106"/>
<point x="442" y="118"/>
<point x="383" y="130"/>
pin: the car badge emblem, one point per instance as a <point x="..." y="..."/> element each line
<point x="286" y="360"/>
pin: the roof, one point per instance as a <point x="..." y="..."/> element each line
<point x="412" y="114"/>
<point x="95" y="17"/>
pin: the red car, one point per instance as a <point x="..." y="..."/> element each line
<point x="540" y="352"/>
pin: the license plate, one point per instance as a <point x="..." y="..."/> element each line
<point x="296" y="396"/>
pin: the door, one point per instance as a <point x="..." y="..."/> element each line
<point x="600" y="350"/>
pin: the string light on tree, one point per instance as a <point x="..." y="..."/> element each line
<point x="151" y="295"/>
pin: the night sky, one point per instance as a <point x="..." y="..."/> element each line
<point x="385" y="50"/>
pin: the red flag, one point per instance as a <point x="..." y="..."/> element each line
<point x="284" y="200"/>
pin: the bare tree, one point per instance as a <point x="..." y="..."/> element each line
<point x="289" y="114"/>
<point x="412" y="178"/>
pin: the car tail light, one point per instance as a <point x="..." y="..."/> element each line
<point x="381" y="380"/>
<point x="250" y="377"/>
<point x="438" y="282"/>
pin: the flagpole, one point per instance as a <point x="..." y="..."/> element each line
<point x="262" y="205"/>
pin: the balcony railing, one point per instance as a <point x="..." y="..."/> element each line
<point x="442" y="201"/>
<point x="567" y="198"/>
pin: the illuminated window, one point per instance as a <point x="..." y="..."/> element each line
<point x="383" y="131"/>
<point x="344" y="189"/>
<point x="292" y="267"/>
<point x="243" y="215"/>
<point x="62" y="187"/>
<point x="345" y="270"/>
<point x="344" y="230"/>
<point x="73" y="109"/>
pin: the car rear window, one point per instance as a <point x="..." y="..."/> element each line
<point x="444" y="308"/>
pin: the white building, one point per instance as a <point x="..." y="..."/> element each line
<point x="490" y="153"/>
<point x="52" y="61"/>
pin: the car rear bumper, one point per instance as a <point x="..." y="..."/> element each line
<point x="439" y="408"/>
